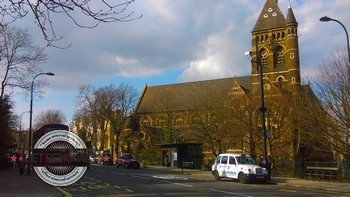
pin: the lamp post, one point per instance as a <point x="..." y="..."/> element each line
<point x="262" y="107"/>
<point x="30" y="116"/>
<point x="326" y="19"/>
<point x="20" y="128"/>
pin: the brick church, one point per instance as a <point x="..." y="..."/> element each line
<point x="198" y="120"/>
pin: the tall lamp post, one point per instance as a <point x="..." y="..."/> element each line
<point x="262" y="107"/>
<point x="20" y="129"/>
<point x="30" y="116"/>
<point x="326" y="19"/>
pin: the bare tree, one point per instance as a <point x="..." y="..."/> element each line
<point x="332" y="86"/>
<point x="116" y="104"/>
<point x="82" y="128"/>
<point x="210" y="119"/>
<point x="98" y="11"/>
<point x="51" y="116"/>
<point x="20" y="59"/>
<point x="110" y="107"/>
<point x="87" y="115"/>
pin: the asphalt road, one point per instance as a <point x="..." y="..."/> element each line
<point x="112" y="181"/>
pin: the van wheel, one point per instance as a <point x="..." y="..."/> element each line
<point x="242" y="178"/>
<point x="216" y="175"/>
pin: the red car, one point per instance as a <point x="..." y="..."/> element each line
<point x="128" y="161"/>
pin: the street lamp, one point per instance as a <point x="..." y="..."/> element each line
<point x="326" y="19"/>
<point x="20" y="129"/>
<point x="262" y="107"/>
<point x="30" y="116"/>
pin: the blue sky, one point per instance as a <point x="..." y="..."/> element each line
<point x="175" y="41"/>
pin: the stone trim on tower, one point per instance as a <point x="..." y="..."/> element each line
<point x="275" y="40"/>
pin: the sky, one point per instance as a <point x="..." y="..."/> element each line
<point x="174" y="42"/>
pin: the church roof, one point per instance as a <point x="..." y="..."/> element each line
<point x="291" y="17"/>
<point x="270" y="17"/>
<point x="185" y="96"/>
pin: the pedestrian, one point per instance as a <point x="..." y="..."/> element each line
<point x="260" y="161"/>
<point x="21" y="162"/>
<point x="269" y="164"/>
<point x="14" y="160"/>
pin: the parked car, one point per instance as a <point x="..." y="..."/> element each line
<point x="128" y="161"/>
<point x="238" y="166"/>
<point x="93" y="158"/>
<point x="106" y="159"/>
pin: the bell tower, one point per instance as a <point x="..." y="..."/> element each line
<point x="275" y="47"/>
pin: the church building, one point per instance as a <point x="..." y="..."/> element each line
<point x="205" y="118"/>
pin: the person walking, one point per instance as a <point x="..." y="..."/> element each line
<point x="21" y="162"/>
<point x="269" y="164"/>
<point x="260" y="161"/>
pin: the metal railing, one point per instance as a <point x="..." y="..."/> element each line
<point x="297" y="169"/>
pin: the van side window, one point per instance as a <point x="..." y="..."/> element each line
<point x="232" y="161"/>
<point x="224" y="159"/>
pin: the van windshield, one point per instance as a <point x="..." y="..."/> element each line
<point x="245" y="160"/>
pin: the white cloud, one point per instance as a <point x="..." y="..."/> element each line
<point x="194" y="40"/>
<point x="213" y="57"/>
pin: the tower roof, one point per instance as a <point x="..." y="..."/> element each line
<point x="290" y="16"/>
<point x="270" y="17"/>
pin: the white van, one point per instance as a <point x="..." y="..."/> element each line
<point x="238" y="166"/>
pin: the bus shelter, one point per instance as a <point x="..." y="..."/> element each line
<point x="182" y="155"/>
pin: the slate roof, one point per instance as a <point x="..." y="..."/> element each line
<point x="270" y="17"/>
<point x="184" y="96"/>
<point x="291" y="17"/>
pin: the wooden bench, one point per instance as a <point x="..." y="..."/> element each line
<point x="187" y="164"/>
<point x="321" y="173"/>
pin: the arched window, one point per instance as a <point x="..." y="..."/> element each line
<point x="195" y="120"/>
<point x="274" y="36"/>
<point x="280" y="80"/>
<point x="278" y="56"/>
<point x="263" y="57"/>
<point x="146" y="121"/>
<point x="293" y="80"/>
<point x="179" y="120"/>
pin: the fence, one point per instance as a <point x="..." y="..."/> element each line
<point x="297" y="169"/>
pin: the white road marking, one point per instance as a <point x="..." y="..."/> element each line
<point x="170" y="177"/>
<point x="65" y="193"/>
<point x="118" y="173"/>
<point x="236" y="194"/>
<point x="141" y="177"/>
<point x="186" y="185"/>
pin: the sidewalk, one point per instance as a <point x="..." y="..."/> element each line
<point x="291" y="182"/>
<point x="13" y="184"/>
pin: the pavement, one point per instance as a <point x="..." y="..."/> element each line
<point x="342" y="187"/>
<point x="14" y="184"/>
